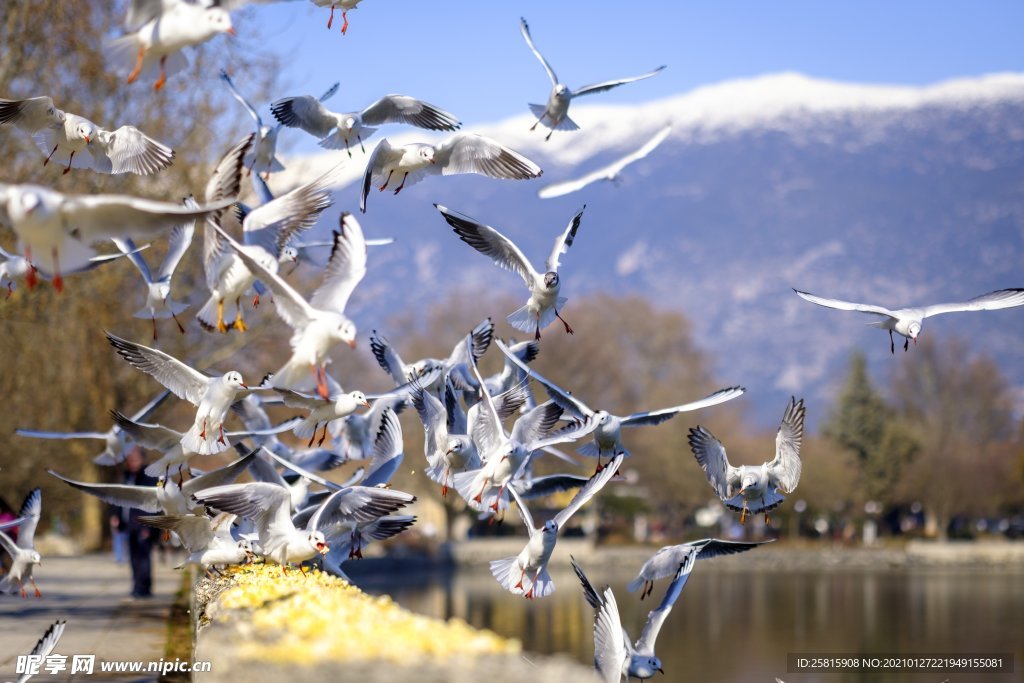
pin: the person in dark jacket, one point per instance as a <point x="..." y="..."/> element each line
<point x="140" y="536"/>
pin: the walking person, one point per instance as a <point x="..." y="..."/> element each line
<point x="139" y="536"/>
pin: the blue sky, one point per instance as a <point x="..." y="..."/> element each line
<point x="469" y="57"/>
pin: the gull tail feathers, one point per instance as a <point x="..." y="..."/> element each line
<point x="523" y="320"/>
<point x="565" y="124"/>
<point x="293" y="375"/>
<point x="506" y="572"/>
<point x="207" y="315"/>
<point x="542" y="587"/>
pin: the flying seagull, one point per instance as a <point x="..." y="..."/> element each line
<point x="554" y="114"/>
<point x="754" y="488"/>
<point x="906" y="322"/>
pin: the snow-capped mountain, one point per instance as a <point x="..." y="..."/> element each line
<point x="882" y="194"/>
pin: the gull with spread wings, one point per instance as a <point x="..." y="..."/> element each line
<point x="554" y="114"/>
<point x="754" y="488"/>
<point x="542" y="307"/>
<point x="906" y="322"/>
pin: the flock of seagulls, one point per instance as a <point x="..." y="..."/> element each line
<point x="483" y="435"/>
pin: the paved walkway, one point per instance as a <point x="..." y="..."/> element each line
<point x="91" y="593"/>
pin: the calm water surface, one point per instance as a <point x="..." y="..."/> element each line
<point x="738" y="626"/>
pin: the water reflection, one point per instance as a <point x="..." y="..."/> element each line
<point x="738" y="626"/>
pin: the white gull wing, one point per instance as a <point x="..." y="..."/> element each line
<point x="608" y="85"/>
<point x="387" y="450"/>
<point x="490" y="242"/>
<point x="656" y="617"/>
<point x="178" y="243"/>
<point x="487" y="429"/>
<point x="224" y="182"/>
<point x="656" y="417"/>
<point x="611" y="649"/>
<point x="123" y="495"/>
<point x="609" y="172"/>
<point x="846" y="305"/>
<point x="382" y="156"/>
<point x="471" y="153"/>
<point x="31" y="114"/>
<point x="667" y="560"/>
<point x="403" y="109"/>
<point x="566" y="400"/>
<point x="268" y="506"/>
<point x="784" y="468"/>
<point x="45" y="645"/>
<point x="274" y="224"/>
<point x="129" y="150"/>
<point x="345" y="267"/>
<point x="108" y="215"/>
<point x="182" y="380"/>
<point x="564" y="241"/>
<point x="524" y="28"/>
<point x="524" y="512"/>
<point x="589" y="490"/>
<point x="387" y="357"/>
<point x="710" y="454"/>
<point x="30" y="512"/>
<point x="307" y="113"/>
<point x="195" y="531"/>
<point x="1002" y="298"/>
<point x="241" y="99"/>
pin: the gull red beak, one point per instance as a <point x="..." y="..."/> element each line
<point x="366" y="404"/>
<point x="231" y="31"/>
<point x="87" y="140"/>
<point x="322" y="548"/>
<point x="244" y="385"/>
<point x="352" y="344"/>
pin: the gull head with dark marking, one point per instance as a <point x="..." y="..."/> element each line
<point x="85" y="131"/>
<point x="551" y="279"/>
<point x="288" y="255"/>
<point x="644" y="667"/>
<point x="234" y="379"/>
<point x="550" y="527"/>
<point x="218" y="21"/>
<point x="317" y="540"/>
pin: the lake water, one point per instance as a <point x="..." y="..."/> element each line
<point x="739" y="625"/>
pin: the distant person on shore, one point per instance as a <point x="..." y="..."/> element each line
<point x="140" y="537"/>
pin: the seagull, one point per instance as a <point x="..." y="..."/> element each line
<point x="263" y="155"/>
<point x="322" y="411"/>
<point x="163" y="29"/>
<point x="906" y="322"/>
<point x="554" y="114"/>
<point x="166" y="498"/>
<point x="158" y="289"/>
<point x="610" y="172"/>
<point x="344" y="548"/>
<point x="533" y="559"/>
<point x="339" y="130"/>
<point x="208" y="541"/>
<point x="667" y="560"/>
<point x="23" y="554"/>
<point x="115" y="440"/>
<point x="345" y="6"/>
<point x="614" y="656"/>
<point x="447" y="446"/>
<point x="266" y="231"/>
<point x="54" y="228"/>
<point x="542" y="307"/>
<point x="388" y="451"/>
<point x="124" y="150"/>
<point x="462" y="153"/>
<point x="607" y="434"/>
<point x="211" y="395"/>
<point x="754" y="488"/>
<point x="319" y="323"/>
<point x="44" y="646"/>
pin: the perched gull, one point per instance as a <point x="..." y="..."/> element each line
<point x="23" y="554"/>
<point x="164" y="27"/>
<point x="607" y="441"/>
<point x="61" y="135"/>
<point x="319" y="323"/>
<point x="345" y="6"/>
<point x="114" y="439"/>
<point x="337" y="131"/>
<point x="511" y="572"/>
<point x="614" y="656"/>
<point x="610" y="172"/>
<point x="542" y="307"/>
<point x="462" y="153"/>
<point x="906" y="322"/>
<point x="554" y="114"/>
<point x="667" y="560"/>
<point x="54" y="228"/>
<point x="158" y="288"/>
<point x="263" y="156"/>
<point x="754" y="488"/>
<point x="211" y="395"/>
<point x="45" y="646"/>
